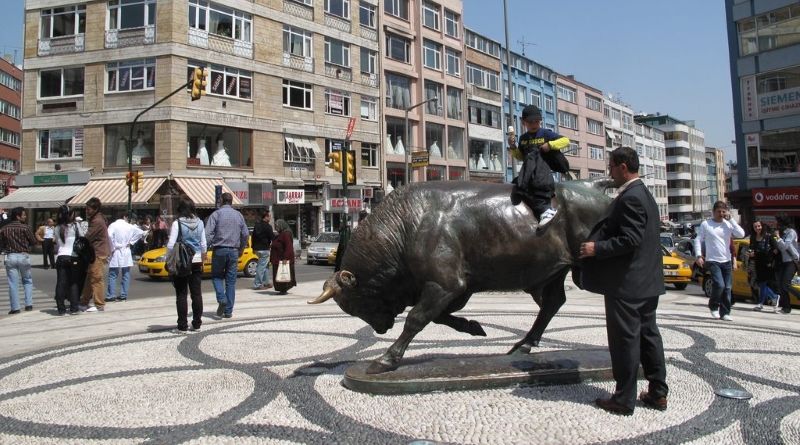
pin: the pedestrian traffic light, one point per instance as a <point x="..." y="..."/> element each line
<point x="351" y="167"/>
<point x="336" y="160"/>
<point x="199" y="83"/>
<point x="138" y="180"/>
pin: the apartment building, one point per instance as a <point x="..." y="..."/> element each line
<point x="580" y="118"/>
<point x="10" y="125"/>
<point x="534" y="84"/>
<point x="484" y="102"/>
<point x="765" y="75"/>
<point x="272" y="114"/>
<point x="424" y="102"/>
<point x="687" y="176"/>
<point x="652" y="164"/>
<point x="715" y="167"/>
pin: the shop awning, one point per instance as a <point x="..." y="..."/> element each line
<point x="201" y="190"/>
<point x="45" y="197"/>
<point x="114" y="191"/>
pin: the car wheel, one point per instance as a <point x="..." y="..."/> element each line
<point x="707" y="283"/>
<point x="680" y="286"/>
<point x="250" y="268"/>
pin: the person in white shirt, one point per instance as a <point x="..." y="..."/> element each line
<point x="122" y="235"/>
<point x="790" y="257"/>
<point x="713" y="243"/>
<point x="70" y="270"/>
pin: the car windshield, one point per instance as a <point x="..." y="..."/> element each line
<point x="666" y="241"/>
<point x="327" y="238"/>
<point x="665" y="252"/>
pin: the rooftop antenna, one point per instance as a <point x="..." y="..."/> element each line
<point x="524" y="44"/>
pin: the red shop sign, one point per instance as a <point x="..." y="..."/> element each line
<point x="778" y="196"/>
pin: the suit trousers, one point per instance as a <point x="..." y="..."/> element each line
<point x="633" y="337"/>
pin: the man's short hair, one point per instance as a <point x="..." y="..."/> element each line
<point x="94" y="203"/>
<point x="720" y="205"/>
<point x="227" y="198"/>
<point x="627" y="156"/>
<point x="16" y="212"/>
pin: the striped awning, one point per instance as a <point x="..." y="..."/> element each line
<point x="201" y="190"/>
<point x="114" y="192"/>
<point x="44" y="197"/>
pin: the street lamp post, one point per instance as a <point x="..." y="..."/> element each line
<point x="408" y="132"/>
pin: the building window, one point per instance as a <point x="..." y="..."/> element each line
<point x="117" y="144"/>
<point x="299" y="149"/>
<point x="220" y="20"/>
<point x="596" y="152"/>
<point x="63" y="21"/>
<point x="451" y="23"/>
<point x="434" y="90"/>
<point x="8" y="165"/>
<point x="369" y="61"/>
<point x="60" y="143"/>
<point x="339" y="8"/>
<point x="9" y="109"/>
<point x="594" y="103"/>
<point x="10" y="81"/>
<point x="305" y="2"/>
<point x="574" y="149"/>
<point x="397" y="8"/>
<point x="332" y="145"/>
<point x="366" y="15"/>
<point x="64" y="82"/>
<point x="397" y="48"/>
<point x="131" y="75"/>
<point x="481" y="44"/>
<point x="434" y="139"/>
<point x="772" y="30"/>
<point x="483" y="78"/>
<point x="369" y="155"/>
<point x="567" y="120"/>
<point x="127" y="14"/>
<point x="455" y="142"/>
<point x="337" y="103"/>
<point x="226" y="147"/>
<point x="369" y="108"/>
<point x="432" y="55"/>
<point x="395" y="133"/>
<point x="398" y="91"/>
<point x="594" y="127"/>
<point x="548" y="103"/>
<point x="453" y="62"/>
<point x="297" y="94"/>
<point x="9" y="137"/>
<point x="536" y="98"/>
<point x="522" y="93"/>
<point x="484" y="114"/>
<point x="454" y="107"/>
<point x="565" y="93"/>
<point x="225" y="81"/>
<point x="297" y="42"/>
<point x="430" y="15"/>
<point x="337" y="52"/>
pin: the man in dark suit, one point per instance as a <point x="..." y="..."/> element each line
<point x="622" y="261"/>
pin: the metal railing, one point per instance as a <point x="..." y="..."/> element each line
<point x="61" y="45"/>
<point x="119" y="38"/>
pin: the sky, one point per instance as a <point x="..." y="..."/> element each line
<point x="660" y="56"/>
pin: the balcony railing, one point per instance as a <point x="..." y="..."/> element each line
<point x="119" y="38"/>
<point x="369" y="33"/>
<point x="370" y="80"/>
<point x="338" y="23"/>
<point x="298" y="62"/>
<point x="298" y="9"/>
<point x="61" y="45"/>
<point x="202" y="38"/>
<point x="339" y="72"/>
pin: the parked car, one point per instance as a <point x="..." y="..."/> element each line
<point x="153" y="261"/>
<point x="320" y="248"/>
<point x="676" y="271"/>
<point x="684" y="248"/>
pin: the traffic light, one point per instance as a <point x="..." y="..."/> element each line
<point x="351" y="167"/>
<point x="129" y="179"/>
<point x="138" y="179"/>
<point x="199" y="83"/>
<point x="336" y="160"/>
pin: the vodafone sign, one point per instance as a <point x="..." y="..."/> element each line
<point x="773" y="197"/>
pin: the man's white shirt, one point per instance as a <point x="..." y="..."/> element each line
<point x="122" y="235"/>
<point x="717" y="239"/>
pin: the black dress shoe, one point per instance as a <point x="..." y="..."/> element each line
<point x="659" y="403"/>
<point x="28" y="308"/>
<point x="613" y="407"/>
<point x="220" y="309"/>
<point x="12" y="312"/>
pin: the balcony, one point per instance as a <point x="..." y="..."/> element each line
<point x="340" y="24"/>
<point x="369" y="79"/>
<point x="298" y="62"/>
<point x="120" y="38"/>
<point x="339" y="72"/>
<point x="202" y="38"/>
<point x="61" y="45"/>
<point x="369" y="33"/>
<point x="298" y="9"/>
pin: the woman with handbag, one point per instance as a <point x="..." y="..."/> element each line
<point x="761" y="256"/>
<point x="282" y="258"/>
<point x="188" y="229"/>
<point x="70" y="269"/>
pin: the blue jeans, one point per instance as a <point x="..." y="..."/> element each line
<point x="112" y="282"/>
<point x="223" y="275"/>
<point x="19" y="265"/>
<point x="766" y="293"/>
<point x="262" y="272"/>
<point x="721" y="282"/>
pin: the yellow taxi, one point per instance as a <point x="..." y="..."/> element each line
<point x="676" y="271"/>
<point x="153" y="261"/>
<point x="740" y="287"/>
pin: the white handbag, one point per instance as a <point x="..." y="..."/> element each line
<point x="284" y="274"/>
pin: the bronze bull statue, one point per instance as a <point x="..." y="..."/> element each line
<point x="432" y="245"/>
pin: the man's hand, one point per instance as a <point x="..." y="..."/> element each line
<point x="700" y="262"/>
<point x="545" y="147"/>
<point x="587" y="250"/>
<point x="734" y="264"/>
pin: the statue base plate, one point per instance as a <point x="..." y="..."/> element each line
<point x="482" y="372"/>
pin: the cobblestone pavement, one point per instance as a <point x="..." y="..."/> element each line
<point x="272" y="374"/>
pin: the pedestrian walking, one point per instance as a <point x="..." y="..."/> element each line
<point x="123" y="236"/>
<point x="226" y="235"/>
<point x="622" y="261"/>
<point x="714" y="238"/>
<point x="262" y="239"/>
<point x="95" y="287"/>
<point x="761" y="264"/>
<point x="192" y="232"/>
<point x="45" y="236"/>
<point x="17" y="239"/>
<point x="282" y="250"/>
<point x="70" y="269"/>
<point x="786" y="241"/>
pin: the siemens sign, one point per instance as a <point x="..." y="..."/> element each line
<point x="779" y="103"/>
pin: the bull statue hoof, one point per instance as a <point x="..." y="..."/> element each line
<point x="379" y="367"/>
<point x="475" y="328"/>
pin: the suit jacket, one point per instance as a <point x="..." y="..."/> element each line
<point x="628" y="262"/>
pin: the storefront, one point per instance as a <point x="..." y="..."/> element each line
<point x="771" y="202"/>
<point x="43" y="193"/>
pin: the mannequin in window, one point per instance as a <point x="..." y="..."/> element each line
<point x="202" y="152"/>
<point x="122" y="153"/>
<point x="221" y="157"/>
<point x="139" y="150"/>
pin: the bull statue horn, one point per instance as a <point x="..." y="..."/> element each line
<point x="325" y="296"/>
<point x="346" y="279"/>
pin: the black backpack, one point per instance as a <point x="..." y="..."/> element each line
<point x="82" y="248"/>
<point x="179" y="259"/>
